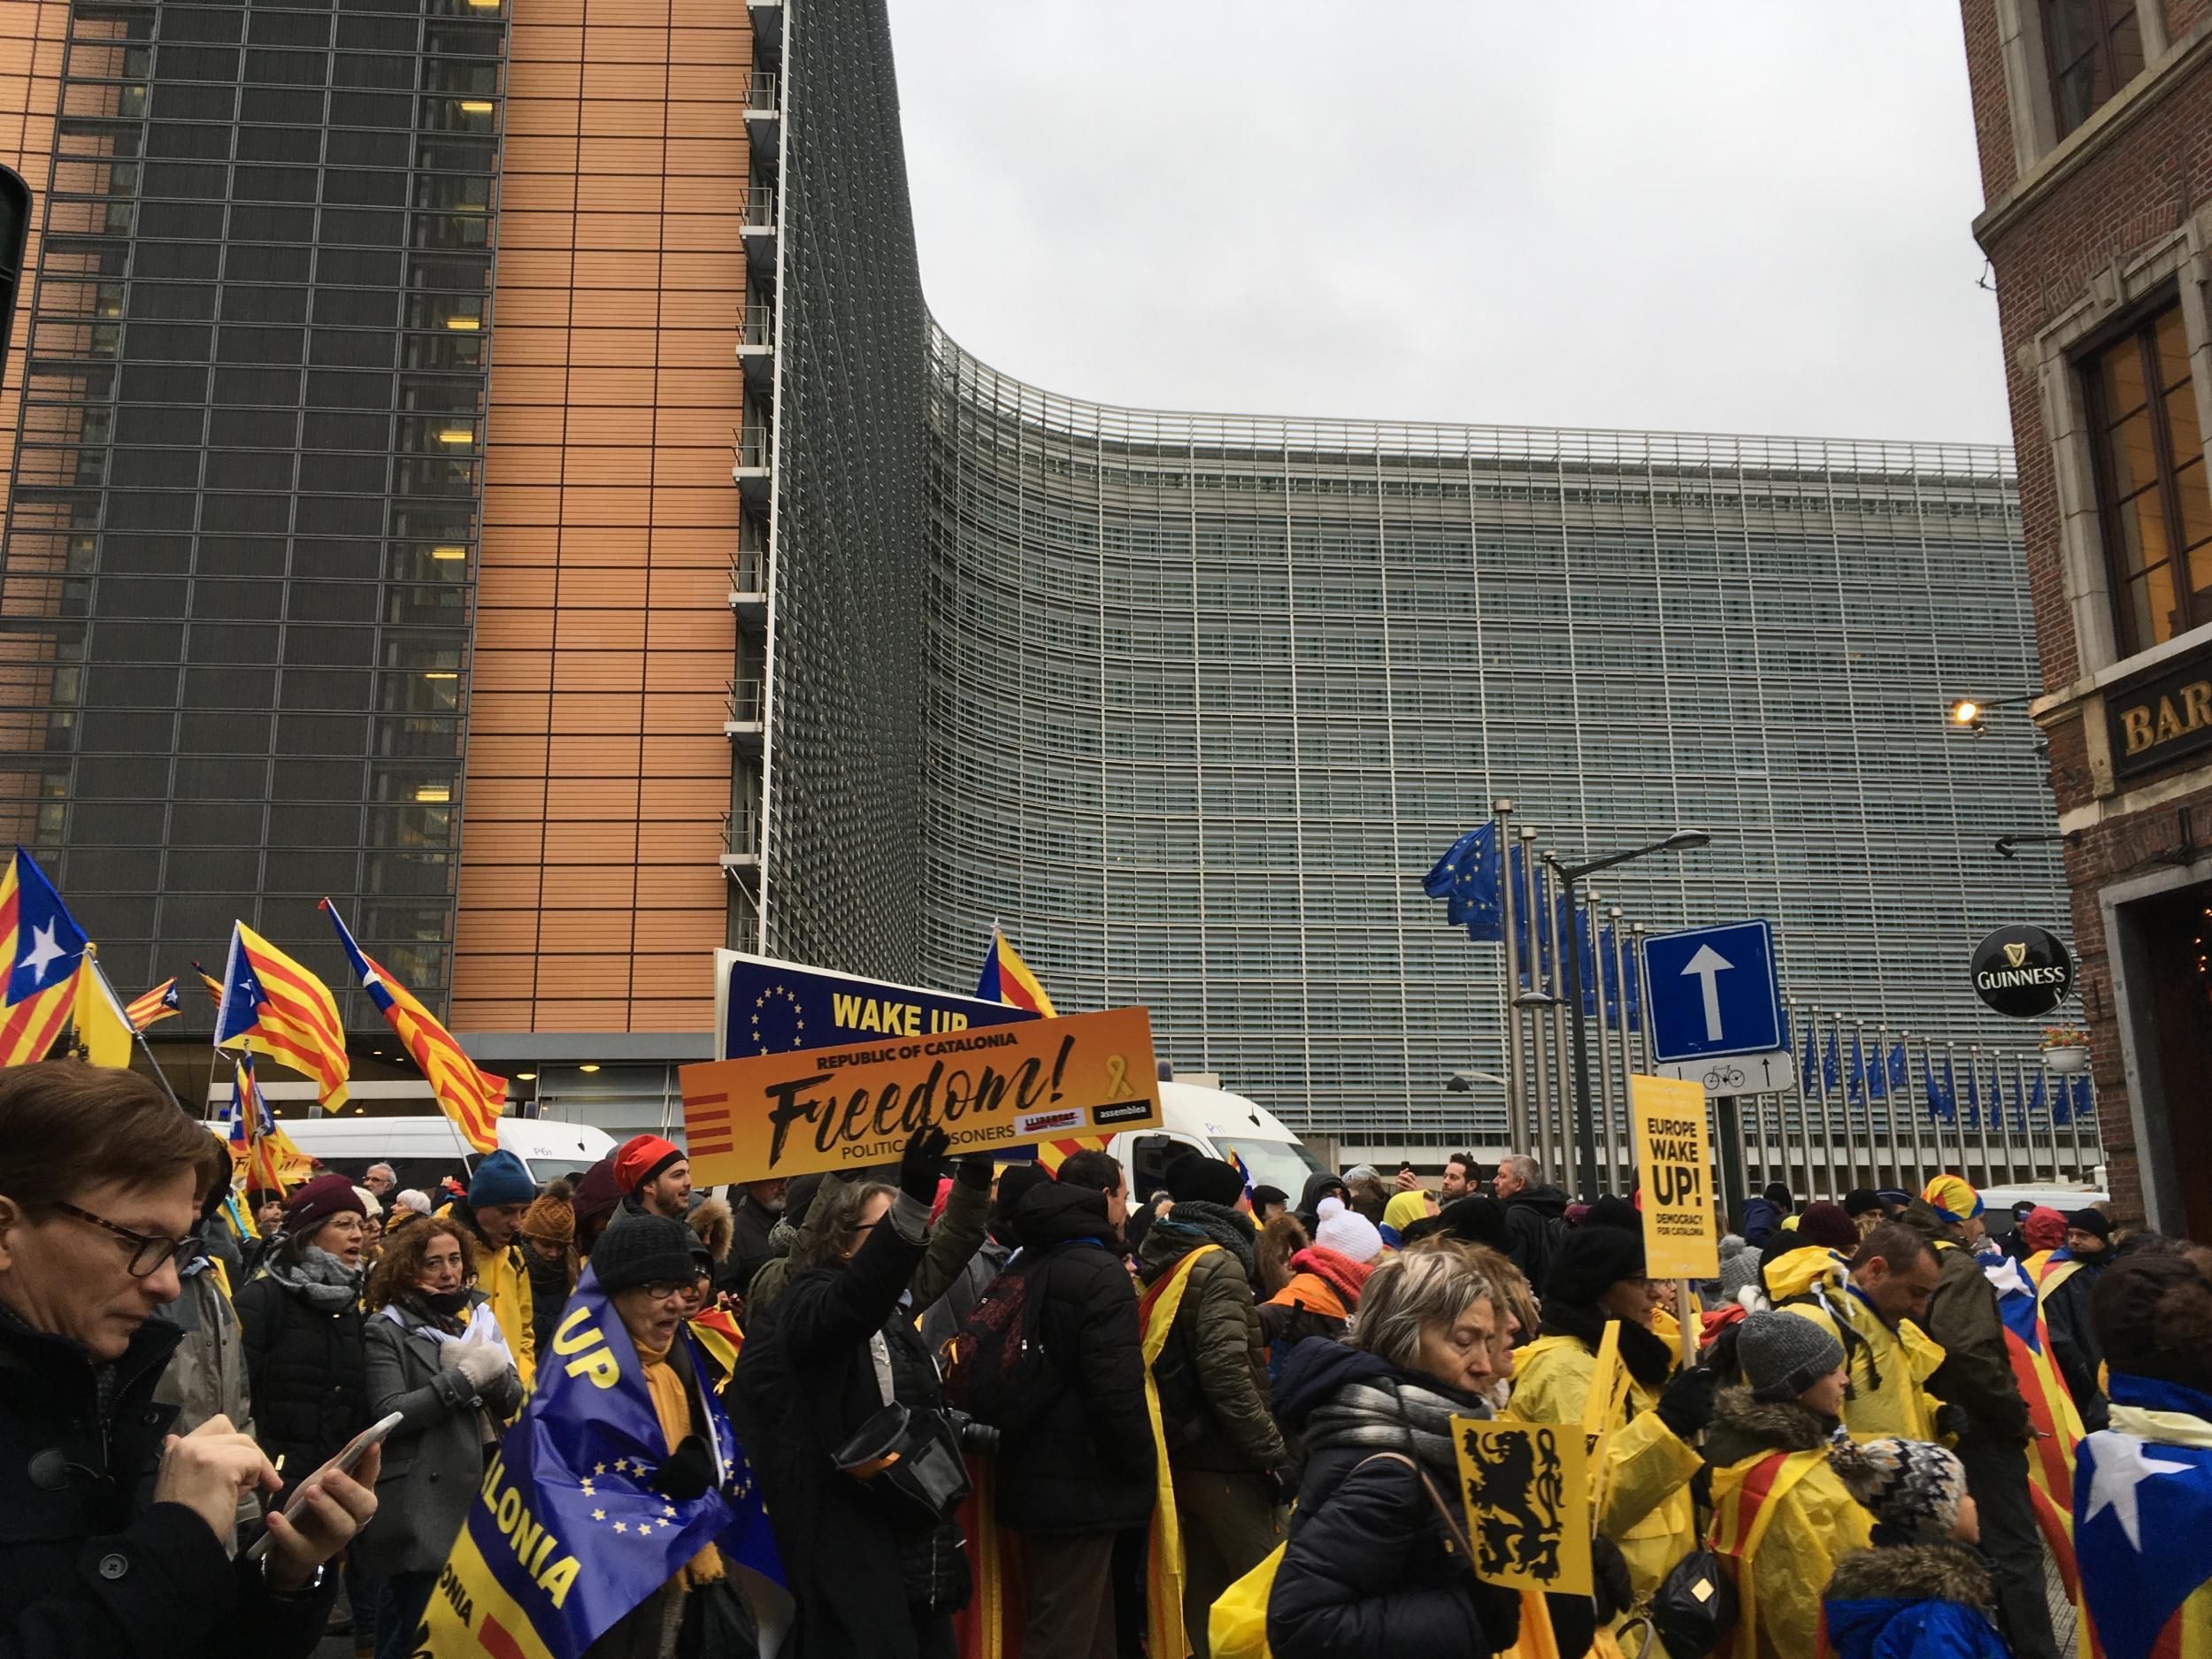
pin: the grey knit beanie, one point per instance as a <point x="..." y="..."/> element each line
<point x="1783" y="1354"/>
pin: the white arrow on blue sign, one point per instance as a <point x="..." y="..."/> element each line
<point x="1713" y="991"/>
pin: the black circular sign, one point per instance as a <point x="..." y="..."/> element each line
<point x="2024" y="971"/>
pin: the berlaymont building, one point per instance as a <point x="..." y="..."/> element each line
<point x="491" y="463"/>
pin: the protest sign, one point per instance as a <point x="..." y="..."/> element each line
<point x="990" y="1089"/>
<point x="1674" y="1166"/>
<point x="764" y="1006"/>
<point x="1525" y="1488"/>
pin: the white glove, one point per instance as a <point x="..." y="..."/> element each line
<point x="479" y="1362"/>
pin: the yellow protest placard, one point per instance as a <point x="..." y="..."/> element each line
<point x="1525" y="1488"/>
<point x="1674" y="1166"/>
<point x="804" y="1110"/>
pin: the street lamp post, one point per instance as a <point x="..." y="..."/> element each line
<point x="1586" y="1123"/>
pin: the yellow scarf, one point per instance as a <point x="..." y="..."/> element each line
<point x="672" y="1406"/>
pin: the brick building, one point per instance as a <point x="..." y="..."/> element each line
<point x="2095" y="122"/>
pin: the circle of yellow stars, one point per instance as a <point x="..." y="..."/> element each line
<point x="639" y="1467"/>
<point x="798" y="1016"/>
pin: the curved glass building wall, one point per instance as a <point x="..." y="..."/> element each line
<point x="1207" y="695"/>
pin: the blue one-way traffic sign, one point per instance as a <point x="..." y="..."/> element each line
<point x="1713" y="991"/>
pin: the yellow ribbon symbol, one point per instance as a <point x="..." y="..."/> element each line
<point x="1117" y="1077"/>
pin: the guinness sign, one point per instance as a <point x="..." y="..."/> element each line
<point x="2023" y="972"/>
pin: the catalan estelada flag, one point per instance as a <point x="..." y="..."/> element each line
<point x="41" y="952"/>
<point x="155" y="1005"/>
<point x="567" y="1534"/>
<point x="258" y="1149"/>
<point x="1006" y="979"/>
<point x="272" y="1006"/>
<point x="473" y="1098"/>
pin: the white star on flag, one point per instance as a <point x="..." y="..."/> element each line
<point x="43" y="951"/>
<point x="2121" y="1467"/>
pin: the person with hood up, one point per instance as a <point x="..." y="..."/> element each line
<point x="755" y="1208"/>
<point x="1326" y="1281"/>
<point x="1922" y="1592"/>
<point x="2064" y="1284"/>
<point x="1782" y="1518"/>
<point x="1076" y="1469"/>
<point x="300" y="1323"/>
<point x="871" y="1572"/>
<point x="499" y="1194"/>
<point x="436" y="1356"/>
<point x="1403" y="1210"/>
<point x="1977" y="1376"/>
<point x="1763" y="1216"/>
<point x="1319" y="1185"/>
<point x="951" y="1311"/>
<point x="1209" y="1356"/>
<point x="1598" y="1280"/>
<point x="1535" y="1216"/>
<point x="2044" y="1234"/>
<point x="548" y="1230"/>
<point x="1373" y="1568"/>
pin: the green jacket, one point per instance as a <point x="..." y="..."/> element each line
<point x="957" y="1237"/>
<point x="1977" y="1369"/>
<point x="1220" y="1322"/>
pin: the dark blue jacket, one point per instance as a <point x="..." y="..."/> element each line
<point x="1912" y="1601"/>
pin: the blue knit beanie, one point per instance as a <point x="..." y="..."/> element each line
<point x="501" y="1179"/>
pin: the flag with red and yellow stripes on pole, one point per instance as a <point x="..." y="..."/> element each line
<point x="272" y="1006"/>
<point x="41" y="954"/>
<point x="471" y="1097"/>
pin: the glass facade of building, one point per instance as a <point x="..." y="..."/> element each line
<point x="1209" y="696"/>
<point x="241" y="525"/>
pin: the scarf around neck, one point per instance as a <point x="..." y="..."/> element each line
<point x="1217" y="1223"/>
<point x="1648" y="1357"/>
<point x="1397" y="1412"/>
<point x="1338" y="1271"/>
<point x="319" y="1279"/>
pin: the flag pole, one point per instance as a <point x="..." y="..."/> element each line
<point x="92" y="961"/>
<point x="1509" y="975"/>
<point x="1540" y="1056"/>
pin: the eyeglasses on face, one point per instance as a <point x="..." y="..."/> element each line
<point x="670" y="1289"/>
<point x="149" y="1250"/>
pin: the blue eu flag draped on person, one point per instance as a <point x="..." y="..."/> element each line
<point x="567" y="1534"/>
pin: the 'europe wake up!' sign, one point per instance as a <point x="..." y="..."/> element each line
<point x="989" y="1088"/>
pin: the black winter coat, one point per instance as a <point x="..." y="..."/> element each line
<point x="749" y="1250"/>
<point x="1082" y="1462"/>
<point x="1533" y="1218"/>
<point x="868" y="1579"/>
<point x="89" y="1568"/>
<point x="1368" y="1572"/>
<point x="309" y="1373"/>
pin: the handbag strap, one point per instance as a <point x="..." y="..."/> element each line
<point x="1453" y="1530"/>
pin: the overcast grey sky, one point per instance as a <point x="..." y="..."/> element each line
<point x="1724" y="215"/>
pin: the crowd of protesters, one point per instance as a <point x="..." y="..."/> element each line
<point x="1858" y="1424"/>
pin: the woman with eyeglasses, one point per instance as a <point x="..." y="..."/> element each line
<point x="436" y="1356"/>
<point x="302" y="1323"/>
<point x="115" y="1533"/>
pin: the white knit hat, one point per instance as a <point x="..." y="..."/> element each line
<point x="414" y="1200"/>
<point x="370" y="1203"/>
<point x="1346" y="1232"/>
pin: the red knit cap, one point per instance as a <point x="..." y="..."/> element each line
<point x="642" y="1157"/>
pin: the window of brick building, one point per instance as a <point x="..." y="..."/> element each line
<point x="2095" y="48"/>
<point x="2152" y="492"/>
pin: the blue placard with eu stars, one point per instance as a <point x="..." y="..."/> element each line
<point x="763" y="1006"/>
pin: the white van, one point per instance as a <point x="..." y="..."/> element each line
<point x="423" y="1150"/>
<point x="1214" y="1123"/>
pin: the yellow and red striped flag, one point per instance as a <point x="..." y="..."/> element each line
<point x="1006" y="978"/>
<point x="42" y="953"/>
<point x="272" y="1006"/>
<point x="471" y="1097"/>
<point x="156" y="1004"/>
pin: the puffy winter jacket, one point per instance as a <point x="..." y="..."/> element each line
<point x="1889" y="1367"/>
<point x="1217" y="1328"/>
<point x="1082" y="1460"/>
<point x="88" y="1568"/>
<point x="1369" y="1571"/>
<point x="1962" y="1317"/>
<point x="1913" y="1601"/>
<point x="1814" y="1521"/>
<point x="309" y="1373"/>
<point x="1648" y="1510"/>
<point x="504" y="1278"/>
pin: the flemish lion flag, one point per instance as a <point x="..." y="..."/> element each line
<point x="567" y="1534"/>
<point x="473" y="1098"/>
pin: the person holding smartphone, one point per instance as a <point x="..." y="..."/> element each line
<point x="114" y="1533"/>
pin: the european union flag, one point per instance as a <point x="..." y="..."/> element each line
<point x="1942" y="1099"/>
<point x="1467" y="878"/>
<point x="1854" y="1080"/>
<point x="1877" y="1076"/>
<point x="1973" y="1098"/>
<point x="1831" y="1066"/>
<point x="2143" y="1519"/>
<point x="2035" y="1093"/>
<point x="2079" y="1090"/>
<point x="567" y="1534"/>
<point x="1808" y="1064"/>
<point x="1899" y="1072"/>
